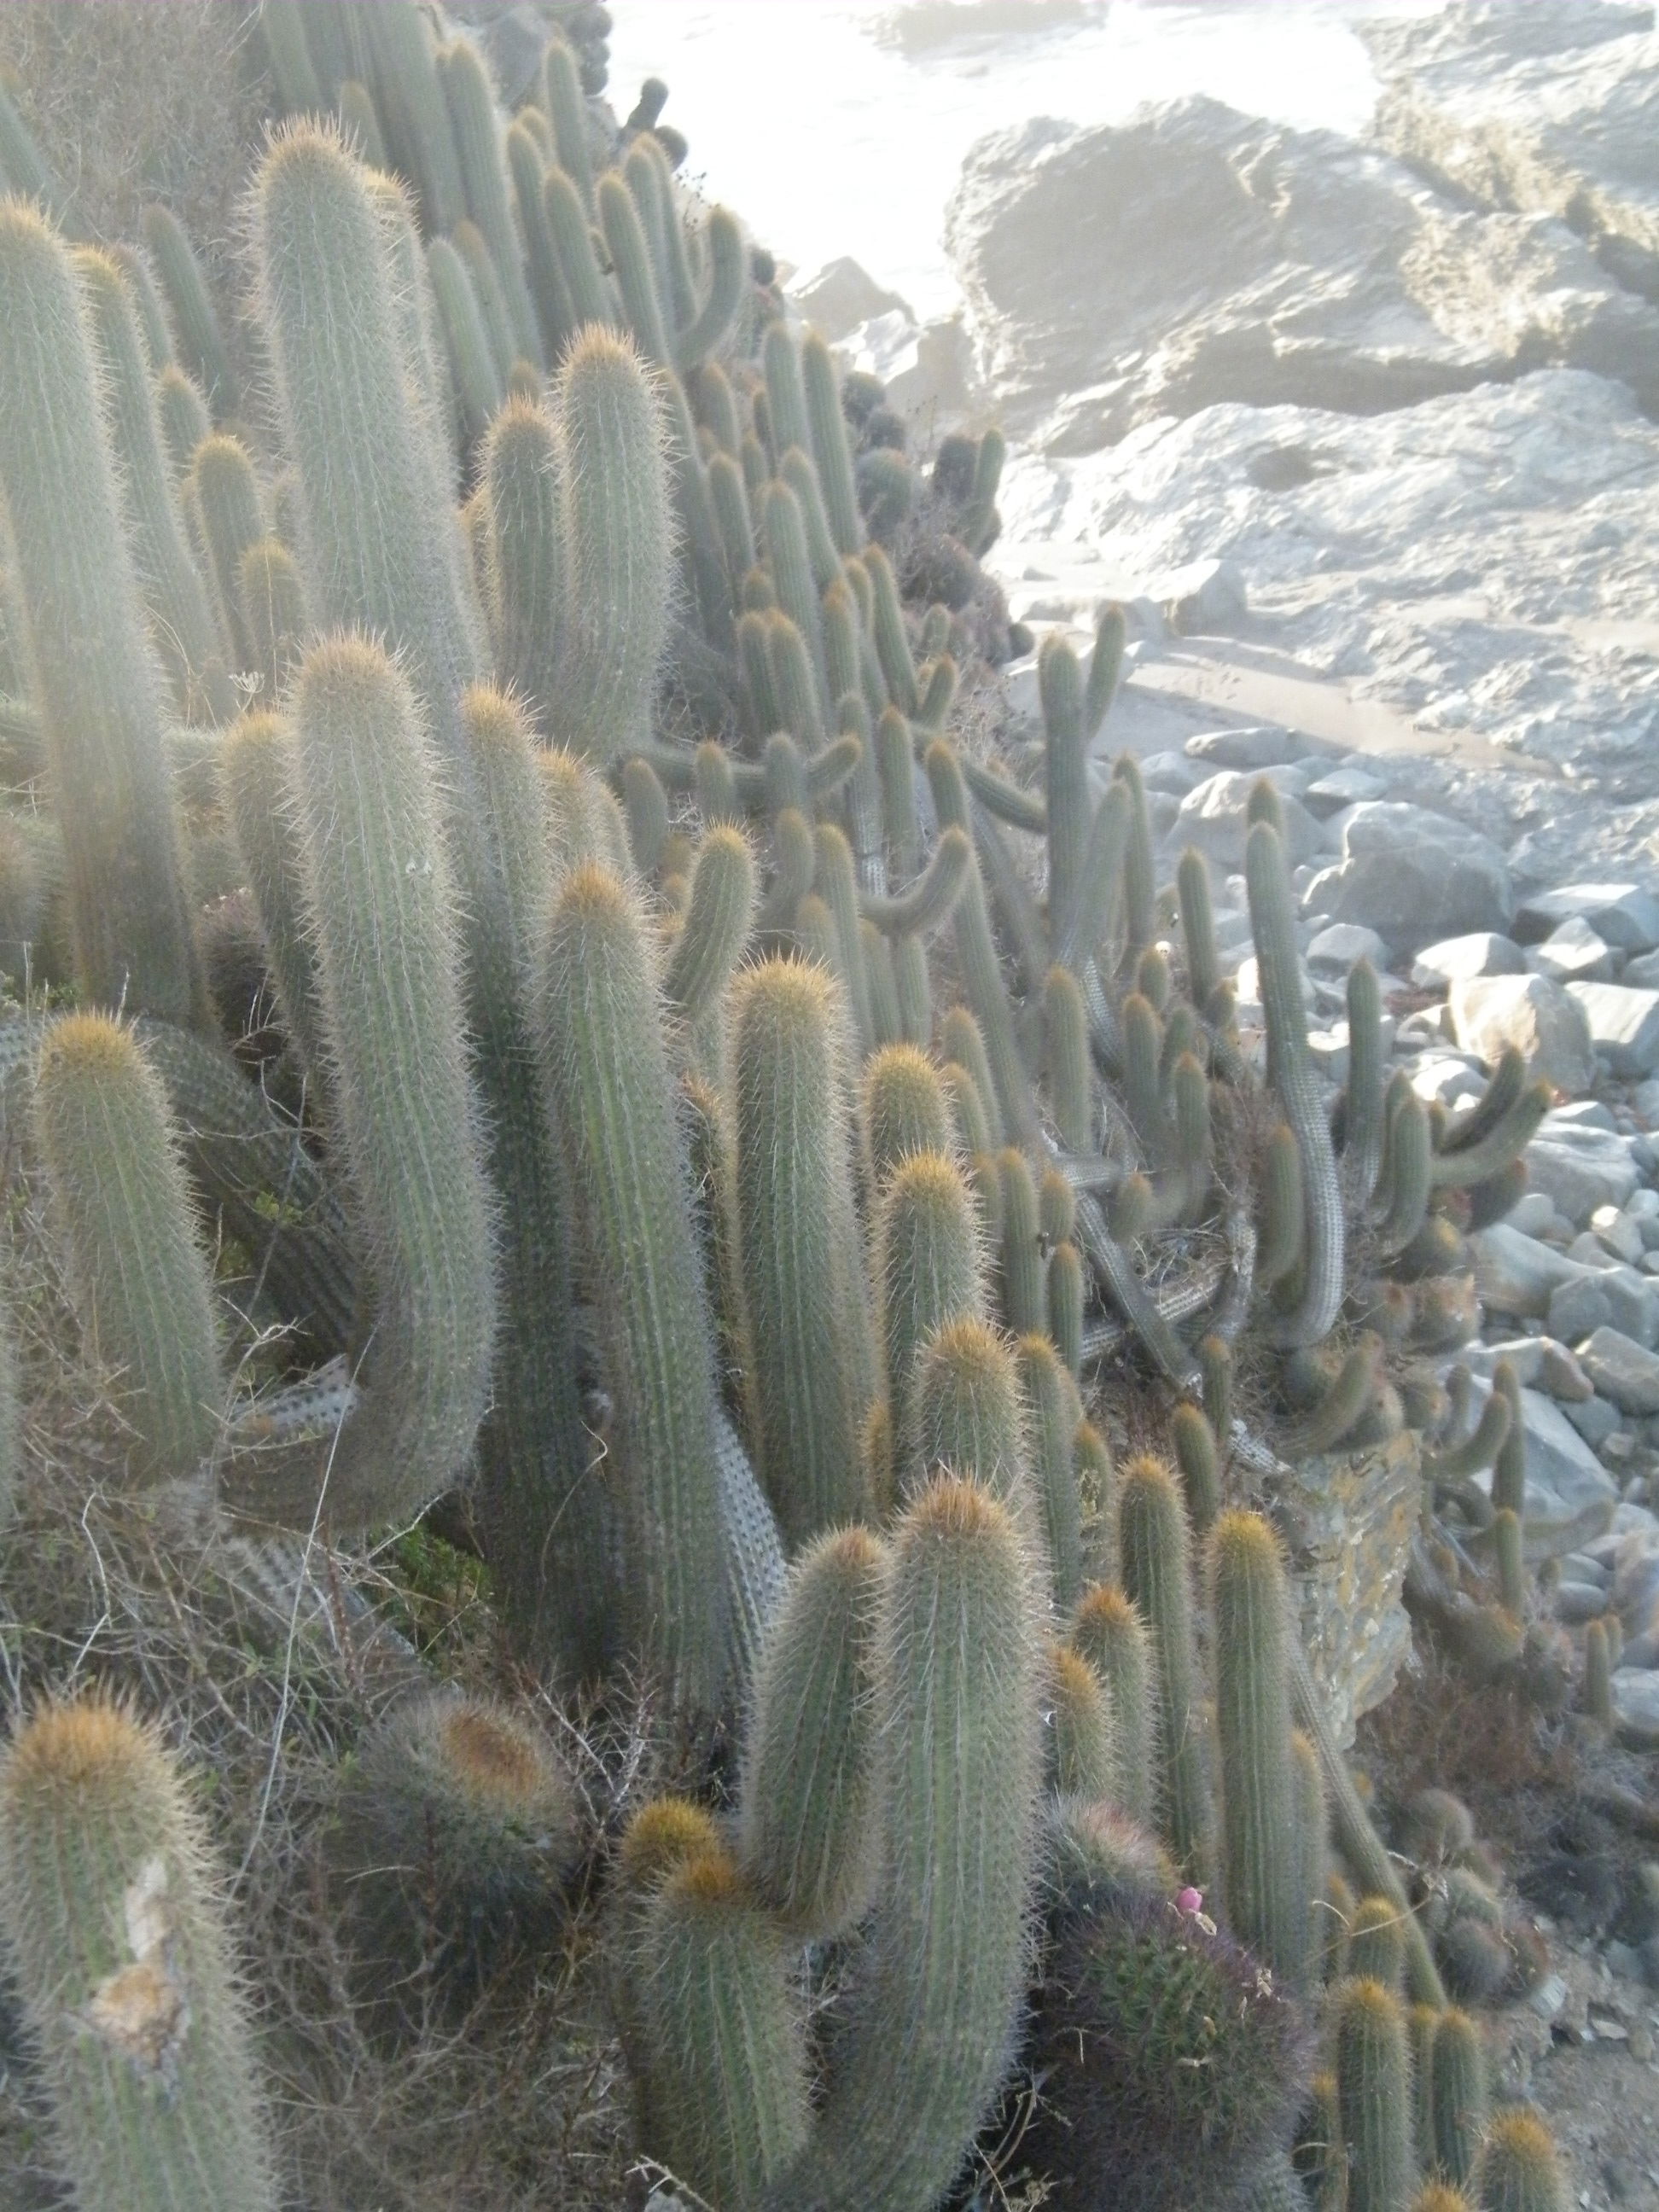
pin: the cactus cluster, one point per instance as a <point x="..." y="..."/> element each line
<point x="767" y="1167"/>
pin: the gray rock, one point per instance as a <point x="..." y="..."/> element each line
<point x="1618" y="1234"/>
<point x="1636" y="1715"/>
<point x="1212" y="816"/>
<point x="1635" y="1302"/>
<point x="1623" y="916"/>
<point x="1448" y="1079"/>
<point x="1191" y="254"/>
<point x="1595" y="1418"/>
<point x="1345" y="944"/>
<point x="1458" y="960"/>
<point x="1578" y="1309"/>
<point x="1624" y="1025"/>
<point x="1572" y="954"/>
<point x="1580" y="1169"/>
<point x="1581" y="1113"/>
<point x="1414" y="875"/>
<point x="840" y="294"/>
<point x="1517" y="1275"/>
<point x="1491" y="1013"/>
<point x="1623" y="1370"/>
<point x="1266" y="745"/>
<point x="1531" y="1213"/>
<point x="1643" y="972"/>
<point x="1575" y="1602"/>
<point x="1570" y="1496"/>
<point x="1340" y="787"/>
<point x="1170" y="772"/>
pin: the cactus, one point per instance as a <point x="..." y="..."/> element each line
<point x="1065" y="1291"/>
<point x="1457" y="2099"/>
<point x="376" y="876"/>
<point x="1023" y="1289"/>
<point x="477" y="135"/>
<point x="1373" y="2086"/>
<point x="613" y="1097"/>
<point x="928" y="1266"/>
<point x="527" y="555"/>
<point x="830" y="454"/>
<point x="182" y="413"/>
<point x="1598" y="1676"/>
<point x="1290" y="1073"/>
<point x="1519" y="2170"/>
<point x="1108" y="1632"/>
<point x="1054" y="1418"/>
<point x="226" y="492"/>
<point x="138" y="1276"/>
<point x="273" y="605"/>
<point x="809" y="1361"/>
<point x="1376" y="1948"/>
<point x="616" y="547"/>
<point x="197" y="334"/>
<point x="403" y="54"/>
<point x="716" y="927"/>
<point x="938" y="1988"/>
<point x="181" y="625"/>
<point x="807" y="1812"/>
<point x="1153" y="1536"/>
<point x="1508" y="1465"/>
<point x="478" y="379"/>
<point x="1267" y="1901"/>
<point x="1192" y="1441"/>
<point x="722" y="2078"/>
<point x="91" y="669"/>
<point x="1171" y="2066"/>
<point x="118" y="1940"/>
<point x="457" y="1826"/>
<point x="1080" y="1717"/>
<point x="905" y="1111"/>
<point x="257" y="769"/>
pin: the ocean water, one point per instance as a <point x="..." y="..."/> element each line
<point x="839" y="126"/>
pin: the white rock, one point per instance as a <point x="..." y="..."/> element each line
<point x="1622" y="1370"/>
<point x="1624" y="1025"/>
<point x="1213" y="814"/>
<point x="1572" y="954"/>
<point x="1344" y="945"/>
<point x="1623" y="916"/>
<point x="1580" y="1169"/>
<point x="1266" y="745"/>
<point x="1202" y="597"/>
<point x="838" y="295"/>
<point x="1570" y="1496"/>
<point x="1455" y="959"/>
<point x="1515" y="1274"/>
<point x="1537" y="1018"/>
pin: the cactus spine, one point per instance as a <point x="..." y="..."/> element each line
<point x="140" y="1280"/>
<point x="1267" y="1901"/>
<point x="125" y="1965"/>
<point x="91" y="668"/>
<point x="1519" y="2170"/>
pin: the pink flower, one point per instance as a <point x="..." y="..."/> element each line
<point x="1190" y="1900"/>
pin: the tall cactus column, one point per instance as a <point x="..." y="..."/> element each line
<point x="92" y="671"/>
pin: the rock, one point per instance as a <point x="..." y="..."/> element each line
<point x="1536" y="1017"/>
<point x="1624" y="1025"/>
<point x="1623" y="916"/>
<point x="1355" y="1514"/>
<point x="1203" y="597"/>
<point x="1516" y="1275"/>
<point x="1554" y="105"/>
<point x="1580" y="1169"/>
<point x="1531" y="1213"/>
<point x="1344" y="945"/>
<point x="1575" y="1602"/>
<point x="1193" y="254"/>
<point x="1541" y="1362"/>
<point x="1643" y="972"/>
<point x="1212" y="816"/>
<point x="1595" y="1420"/>
<point x="1477" y="565"/>
<point x="1572" y="954"/>
<point x="1269" y="745"/>
<point x="1570" y="1496"/>
<point x="1411" y="875"/>
<point x="1448" y="1079"/>
<point x="1458" y="960"/>
<point x="1342" y="786"/>
<point x="1636" y="1711"/>
<point x="1623" y="1370"/>
<point x="1170" y="772"/>
<point x="1618" y="1234"/>
<point x="838" y="295"/>
<point x="928" y="372"/>
<point x="1578" y="1309"/>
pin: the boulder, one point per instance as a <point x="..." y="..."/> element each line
<point x="1204" y="596"/>
<point x="1623" y="916"/>
<point x="1580" y="1169"/>
<point x="1516" y="1275"/>
<point x="1552" y="105"/>
<point x="1457" y="959"/>
<point x="838" y="295"/>
<point x="1570" y="1496"/>
<point x="1267" y="745"/>
<point x="1636" y="1708"/>
<point x="1345" y="944"/>
<point x="1340" y="787"/>
<point x="1213" y="814"/>
<point x="1191" y="254"/>
<point x="1572" y="954"/>
<point x="1623" y="1025"/>
<point x="1623" y="1370"/>
<point x="1170" y="772"/>
<point x="1410" y="875"/>
<point x="1491" y="1013"/>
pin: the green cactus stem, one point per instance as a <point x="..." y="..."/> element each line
<point x="1519" y="2169"/>
<point x="1152" y="1534"/>
<point x="905" y="1111"/>
<point x="137" y="1272"/>
<point x="257" y="772"/>
<point x="200" y="342"/>
<point x="1055" y="1414"/>
<point x="808" y="1821"/>
<point x="1079" y="1719"/>
<point x="478" y="138"/>
<point x="1373" y="2087"/>
<point x="91" y="671"/>
<point x="528" y="583"/>
<point x="117" y="1934"/>
<point x="226" y="493"/>
<point x="1457" y="2073"/>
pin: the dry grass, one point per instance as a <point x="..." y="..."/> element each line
<point x="263" y="1666"/>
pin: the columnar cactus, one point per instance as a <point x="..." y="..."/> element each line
<point x="1458" y="2098"/>
<point x="1373" y="2084"/>
<point x="90" y="666"/>
<point x="1519" y="2170"/>
<point x="1153" y="1536"/>
<point x="136" y="1271"/>
<point x="117" y="1937"/>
